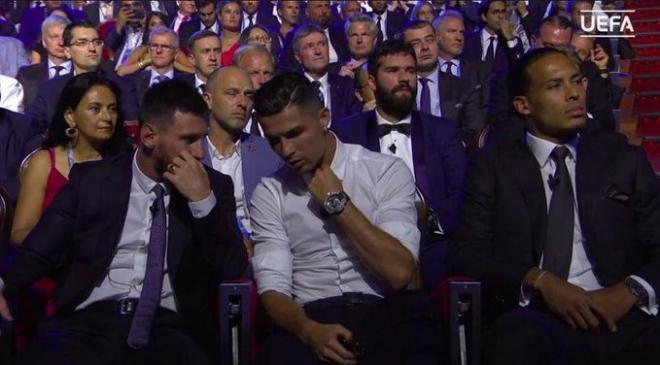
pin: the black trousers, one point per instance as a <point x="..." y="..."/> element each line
<point x="97" y="335"/>
<point x="402" y="329"/>
<point x="531" y="336"/>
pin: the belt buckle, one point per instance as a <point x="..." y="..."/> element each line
<point x="127" y="306"/>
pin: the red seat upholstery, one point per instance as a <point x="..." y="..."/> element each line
<point x="652" y="148"/>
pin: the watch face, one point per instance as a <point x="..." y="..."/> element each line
<point x="335" y="203"/>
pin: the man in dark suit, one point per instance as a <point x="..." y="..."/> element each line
<point x="388" y="22"/>
<point x="337" y="92"/>
<point x="318" y="13"/>
<point x="18" y="137"/>
<point x="205" y="52"/>
<point x="111" y="306"/>
<point x="252" y="15"/>
<point x="57" y="63"/>
<point x="441" y="93"/>
<point x="430" y="146"/>
<point x="127" y="33"/>
<point x="207" y="19"/>
<point x="259" y="64"/>
<point x="98" y="12"/>
<point x="561" y="227"/>
<point x="246" y="158"/>
<point x="83" y="46"/>
<point x="290" y="15"/>
<point x="495" y="42"/>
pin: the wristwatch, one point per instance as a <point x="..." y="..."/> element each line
<point x="636" y="289"/>
<point x="335" y="202"/>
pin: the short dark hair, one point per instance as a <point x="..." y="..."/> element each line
<point x="74" y="91"/>
<point x="284" y="90"/>
<point x="571" y="4"/>
<point x="519" y="80"/>
<point x="558" y="21"/>
<point x="164" y="99"/>
<point x="388" y="48"/>
<point x="203" y="3"/>
<point x="412" y="25"/>
<point x="303" y="31"/>
<point x="68" y="31"/>
<point x="484" y="6"/>
<point x="201" y="34"/>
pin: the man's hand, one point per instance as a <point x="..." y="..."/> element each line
<point x="188" y="177"/>
<point x="124" y="15"/>
<point x="600" y="57"/>
<point x="324" y="341"/>
<point x="323" y="182"/>
<point x="572" y="303"/>
<point x="507" y="29"/>
<point x="347" y="70"/>
<point x="616" y="302"/>
<point x="4" y="309"/>
<point x="369" y="106"/>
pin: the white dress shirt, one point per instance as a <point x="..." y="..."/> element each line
<point x="383" y="23"/>
<point x="125" y="274"/>
<point x="402" y="142"/>
<point x="455" y="69"/>
<point x="178" y="21"/>
<point x="154" y="74"/>
<point x="52" y="72"/>
<point x="332" y="53"/>
<point x="325" y="89"/>
<point x="215" y="28"/>
<point x="581" y="272"/>
<point x="11" y="94"/>
<point x="485" y="42"/>
<point x="246" y="20"/>
<point x="232" y="166"/>
<point x="303" y="254"/>
<point x="198" y="83"/>
<point x="434" y="89"/>
<point x="132" y="42"/>
<point x="106" y="12"/>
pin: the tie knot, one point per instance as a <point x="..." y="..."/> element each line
<point x="560" y="153"/>
<point x="159" y="191"/>
<point x="202" y="88"/>
<point x="492" y="38"/>
<point x="58" y="68"/>
<point x="424" y="81"/>
<point x="161" y="78"/>
<point x="316" y="84"/>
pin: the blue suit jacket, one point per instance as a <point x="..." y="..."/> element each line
<point x="504" y="56"/>
<point x="258" y="160"/>
<point x="18" y="137"/>
<point x="437" y="150"/>
<point x="342" y="97"/>
<point x="287" y="60"/>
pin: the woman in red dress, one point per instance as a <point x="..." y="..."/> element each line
<point x="230" y="21"/>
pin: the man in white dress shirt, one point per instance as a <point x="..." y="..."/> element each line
<point x="205" y="54"/>
<point x="336" y="239"/>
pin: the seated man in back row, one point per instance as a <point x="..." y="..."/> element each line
<point x="335" y="241"/>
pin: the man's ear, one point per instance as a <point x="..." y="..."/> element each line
<point x="295" y="55"/>
<point x="149" y="135"/>
<point x="324" y="117"/>
<point x="208" y="98"/>
<point x="522" y="106"/>
<point x="371" y="82"/>
<point x="67" y="53"/>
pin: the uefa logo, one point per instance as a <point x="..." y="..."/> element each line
<point x="606" y="23"/>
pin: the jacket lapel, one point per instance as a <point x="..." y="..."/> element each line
<point x="115" y="194"/>
<point x="249" y="164"/>
<point x="373" y="143"/>
<point x="590" y="175"/>
<point x="417" y="141"/>
<point x="176" y="231"/>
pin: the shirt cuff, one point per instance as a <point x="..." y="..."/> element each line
<point x="525" y="296"/>
<point x="651" y="306"/>
<point x="202" y="208"/>
<point x="512" y="43"/>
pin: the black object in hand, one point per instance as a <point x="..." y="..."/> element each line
<point x="352" y="346"/>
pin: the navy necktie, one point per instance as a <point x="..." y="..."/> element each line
<point x="490" y="52"/>
<point x="317" y="85"/>
<point x="58" y="70"/>
<point x="138" y="335"/>
<point x="425" y="99"/>
<point x="448" y="68"/>
<point x="379" y="24"/>
<point x="160" y="78"/>
<point x="559" y="236"/>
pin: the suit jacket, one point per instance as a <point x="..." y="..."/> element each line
<point x="92" y="10"/>
<point x="116" y="42"/>
<point x="502" y="229"/>
<point x="18" y="137"/>
<point x="258" y="160"/>
<point x="438" y="157"/>
<point x="504" y="56"/>
<point x="83" y="226"/>
<point x="140" y="81"/>
<point x="267" y="20"/>
<point x="43" y="107"/>
<point x="394" y="23"/>
<point x="30" y="77"/>
<point x="7" y="28"/>
<point x="342" y="97"/>
<point x="187" y="29"/>
<point x="287" y="60"/>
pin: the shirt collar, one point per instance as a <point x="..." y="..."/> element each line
<point x="455" y="61"/>
<point x="198" y="81"/>
<point x="542" y="148"/>
<point x="433" y="76"/>
<point x="323" y="80"/>
<point x="338" y="165"/>
<point x="215" y="153"/>
<point x="145" y="183"/>
<point x="169" y="74"/>
<point x="66" y="64"/>
<point x="381" y="120"/>
<point x="485" y="36"/>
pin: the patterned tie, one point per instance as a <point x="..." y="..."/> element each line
<point x="58" y="70"/>
<point x="425" y="99"/>
<point x="317" y="85"/>
<point x="559" y="236"/>
<point x="138" y="335"/>
<point x="490" y="52"/>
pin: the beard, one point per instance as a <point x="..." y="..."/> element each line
<point x="398" y="106"/>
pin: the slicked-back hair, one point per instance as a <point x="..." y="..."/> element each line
<point x="557" y="21"/>
<point x="68" y="31"/>
<point x="389" y="48"/>
<point x="160" y="30"/>
<point x="360" y="18"/>
<point x="303" y="31"/>
<point x="519" y="79"/>
<point x="201" y="34"/>
<point x="164" y="99"/>
<point x="286" y="90"/>
<point x="413" y="24"/>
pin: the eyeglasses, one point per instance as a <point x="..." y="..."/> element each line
<point x="261" y="39"/>
<point x="164" y="47"/>
<point x="86" y="42"/>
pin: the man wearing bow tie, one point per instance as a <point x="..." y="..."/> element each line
<point x="430" y="146"/>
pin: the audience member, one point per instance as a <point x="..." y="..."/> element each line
<point x="31" y="20"/>
<point x="430" y="146"/>
<point x="495" y="42"/>
<point x="347" y="9"/>
<point x="580" y="15"/>
<point x="362" y="36"/>
<point x="12" y="57"/>
<point x="11" y="94"/>
<point x="187" y="10"/>
<point x="99" y="12"/>
<point x="260" y="66"/>
<point x="205" y="53"/>
<point x="111" y="306"/>
<point x="561" y="229"/>
<point x="208" y="20"/>
<point x="388" y="22"/>
<point x="259" y="35"/>
<point x="251" y="16"/>
<point x="57" y="63"/>
<point x="337" y="93"/>
<point x="424" y="11"/>
<point x="128" y="31"/>
<point x="363" y="92"/>
<point x="244" y="157"/>
<point x="289" y="13"/>
<point x="318" y="214"/>
<point x="18" y="137"/>
<point x="229" y="13"/>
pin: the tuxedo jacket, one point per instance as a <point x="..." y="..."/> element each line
<point x="438" y="157"/>
<point x="505" y="57"/>
<point x="501" y="233"/>
<point x="257" y="160"/>
<point x="30" y="77"/>
<point x="81" y="229"/>
<point x="18" y="137"/>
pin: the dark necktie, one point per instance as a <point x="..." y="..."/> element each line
<point x="425" y="99"/>
<point x="448" y="67"/>
<point x="384" y="129"/>
<point x="251" y="20"/>
<point x="58" y="70"/>
<point x="559" y="236"/>
<point x="202" y="88"/>
<point x="317" y="85"/>
<point x="490" y="52"/>
<point x="379" y="24"/>
<point x="138" y="335"/>
<point x="160" y="78"/>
